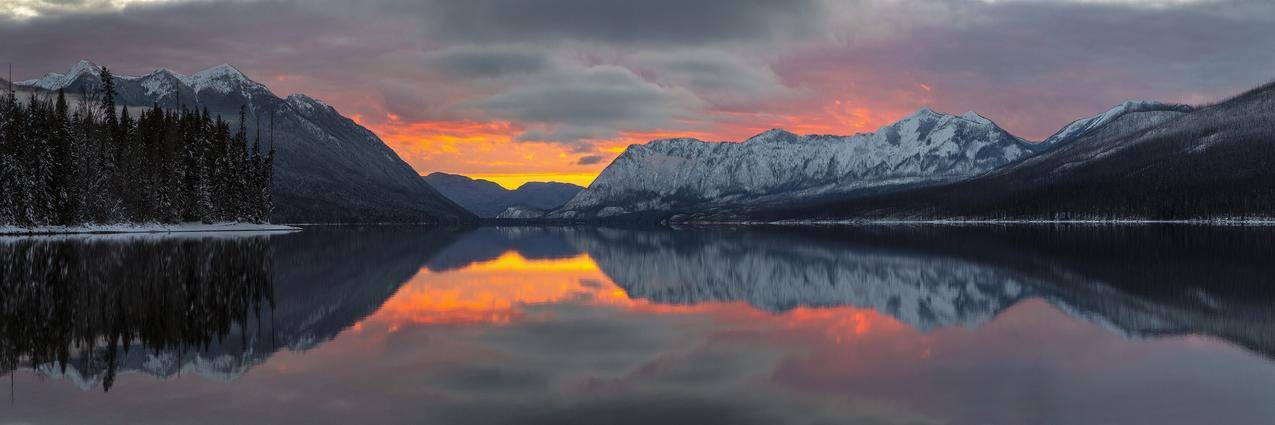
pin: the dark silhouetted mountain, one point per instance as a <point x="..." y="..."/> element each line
<point x="327" y="167"/>
<point x="488" y="199"/>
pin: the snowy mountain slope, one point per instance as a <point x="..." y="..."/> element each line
<point x="327" y="167"/>
<point x="1158" y="163"/>
<point x="488" y="199"/>
<point x="686" y="174"/>
<point x="1083" y="126"/>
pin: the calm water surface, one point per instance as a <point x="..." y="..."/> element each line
<point x="890" y="325"/>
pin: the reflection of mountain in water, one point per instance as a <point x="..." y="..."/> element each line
<point x="775" y="271"/>
<point x="1138" y="281"/>
<point x="488" y="243"/>
<point x="88" y="308"/>
<point x="328" y="279"/>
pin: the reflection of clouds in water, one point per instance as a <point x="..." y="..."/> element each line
<point x="512" y="331"/>
<point x="589" y="364"/>
<point x="495" y="290"/>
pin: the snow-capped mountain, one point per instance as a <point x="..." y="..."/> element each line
<point x="161" y="83"/>
<point x="54" y="81"/>
<point x="1138" y="161"/>
<point x="327" y="167"/>
<point x="689" y="174"/>
<point x="1083" y="126"/>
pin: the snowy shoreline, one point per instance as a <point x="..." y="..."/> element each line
<point x="145" y="228"/>
<point x="957" y="222"/>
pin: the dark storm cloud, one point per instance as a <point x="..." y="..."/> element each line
<point x="721" y="78"/>
<point x="651" y="21"/>
<point x="587" y="103"/>
<point x="1034" y="66"/>
<point x="488" y="61"/>
<point x="188" y="36"/>
<point x="589" y="160"/>
<point x="575" y="70"/>
<point x="1207" y="43"/>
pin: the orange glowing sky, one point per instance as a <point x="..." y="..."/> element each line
<point x="490" y="150"/>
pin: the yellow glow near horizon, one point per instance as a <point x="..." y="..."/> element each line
<point x="513" y="181"/>
<point x="512" y="261"/>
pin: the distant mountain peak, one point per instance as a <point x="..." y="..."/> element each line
<point x="974" y="116"/>
<point x="162" y="72"/>
<point x="223" y="78"/>
<point x="488" y="199"/>
<point x="923" y="111"/>
<point x="223" y="70"/>
<point x="773" y="135"/>
<point x="84" y="66"/>
<point x="54" y="81"/>
<point x="1081" y="126"/>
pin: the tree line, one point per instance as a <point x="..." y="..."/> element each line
<point x="99" y="164"/>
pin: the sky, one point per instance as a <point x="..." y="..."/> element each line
<point x="553" y="90"/>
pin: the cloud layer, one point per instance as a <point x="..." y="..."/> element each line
<point x="561" y="86"/>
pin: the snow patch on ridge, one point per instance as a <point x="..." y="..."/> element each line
<point x="1081" y="126"/>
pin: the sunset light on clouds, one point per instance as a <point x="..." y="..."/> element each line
<point x="553" y="90"/>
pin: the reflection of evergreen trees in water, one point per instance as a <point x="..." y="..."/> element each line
<point x="86" y="303"/>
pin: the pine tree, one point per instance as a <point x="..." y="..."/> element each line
<point x="64" y="202"/>
<point x="9" y="133"/>
<point x="104" y="165"/>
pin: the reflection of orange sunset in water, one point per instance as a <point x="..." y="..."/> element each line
<point x="497" y="292"/>
<point x="492" y="291"/>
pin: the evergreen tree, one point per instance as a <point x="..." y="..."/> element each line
<point x="100" y="164"/>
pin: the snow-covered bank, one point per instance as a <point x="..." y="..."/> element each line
<point x="146" y="228"/>
<point x="958" y="222"/>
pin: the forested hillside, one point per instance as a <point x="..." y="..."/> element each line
<point x="95" y="163"/>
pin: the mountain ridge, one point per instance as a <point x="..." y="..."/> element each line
<point x="777" y="165"/>
<point x="488" y="199"/>
<point x="328" y="169"/>
<point x="1169" y="162"/>
<point x="918" y="155"/>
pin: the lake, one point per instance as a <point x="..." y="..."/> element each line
<point x="773" y="325"/>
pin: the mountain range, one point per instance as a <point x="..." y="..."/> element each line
<point x="488" y="199"/>
<point x="1146" y="163"/>
<point x="327" y="167"/>
<point x="1140" y="160"/>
